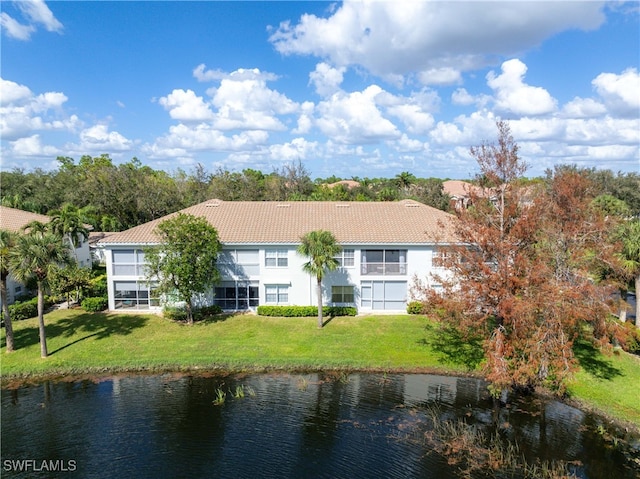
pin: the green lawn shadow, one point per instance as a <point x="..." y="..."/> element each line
<point x="214" y="318"/>
<point x="593" y="361"/>
<point x="452" y="347"/>
<point x="80" y="328"/>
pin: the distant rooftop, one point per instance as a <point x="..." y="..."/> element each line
<point x="12" y="219"/>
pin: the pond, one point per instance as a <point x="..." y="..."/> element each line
<point x="331" y="425"/>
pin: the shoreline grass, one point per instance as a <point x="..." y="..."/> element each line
<point x="100" y="344"/>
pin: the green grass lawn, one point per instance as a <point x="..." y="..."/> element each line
<point x="86" y="342"/>
<point x="80" y="343"/>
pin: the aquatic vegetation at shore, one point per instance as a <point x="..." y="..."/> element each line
<point x="221" y="397"/>
<point x="476" y="453"/>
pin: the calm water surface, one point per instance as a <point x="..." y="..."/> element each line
<point x="285" y="426"/>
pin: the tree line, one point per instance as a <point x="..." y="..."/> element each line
<point x="115" y="197"/>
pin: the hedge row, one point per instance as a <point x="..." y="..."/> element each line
<point x="306" y="311"/>
<point x="180" y="314"/>
<point x="27" y="309"/>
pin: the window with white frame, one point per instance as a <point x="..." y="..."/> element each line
<point x="240" y="262"/>
<point x="277" y="294"/>
<point x="276" y="258"/>
<point x="383" y="294"/>
<point x="128" y="262"/>
<point x="346" y="258"/>
<point x="342" y="294"/>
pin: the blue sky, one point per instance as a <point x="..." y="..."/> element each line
<point x="355" y="89"/>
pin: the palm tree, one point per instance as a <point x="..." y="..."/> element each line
<point x="35" y="227"/>
<point x="404" y="181"/>
<point x="7" y="241"/>
<point x="630" y="256"/>
<point x="67" y="223"/>
<point x="35" y="255"/>
<point x="321" y="248"/>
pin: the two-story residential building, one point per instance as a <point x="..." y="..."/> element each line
<point x="14" y="220"/>
<point x="384" y="245"/>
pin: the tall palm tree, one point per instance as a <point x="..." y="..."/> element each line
<point x="67" y="223"/>
<point x="404" y="181"/>
<point x="630" y="256"/>
<point x="7" y="241"/>
<point x="35" y="255"/>
<point x="321" y="248"/>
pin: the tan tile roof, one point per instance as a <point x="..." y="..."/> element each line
<point x="463" y="189"/>
<point x="12" y="219"/>
<point x="347" y="183"/>
<point x="269" y="222"/>
<point x="95" y="237"/>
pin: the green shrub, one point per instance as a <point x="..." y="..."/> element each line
<point x="94" y="304"/>
<point x="306" y="311"/>
<point x="178" y="313"/>
<point x="415" y="307"/>
<point x="206" y="312"/>
<point x="339" y="311"/>
<point x="27" y="309"/>
<point x="98" y="286"/>
<point x="174" y="313"/>
<point x="24" y="310"/>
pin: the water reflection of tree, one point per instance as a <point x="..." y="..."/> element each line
<point x="320" y="421"/>
<point x="185" y="423"/>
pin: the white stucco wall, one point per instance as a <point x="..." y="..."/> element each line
<point x="301" y="286"/>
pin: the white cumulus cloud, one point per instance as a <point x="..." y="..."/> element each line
<point x="438" y="39"/>
<point x="32" y="146"/>
<point x="244" y="101"/>
<point x="515" y="96"/>
<point x="99" y="138"/>
<point x="12" y="92"/>
<point x="184" y="140"/>
<point x="621" y="93"/>
<point x="22" y="113"/>
<point x="440" y="76"/>
<point x="185" y="105"/>
<point x="326" y="79"/>
<point x="354" y="118"/>
<point x="583" y="108"/>
<point x="294" y="150"/>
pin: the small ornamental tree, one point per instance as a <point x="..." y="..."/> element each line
<point x="321" y="248"/>
<point x="184" y="263"/>
<point x="522" y="280"/>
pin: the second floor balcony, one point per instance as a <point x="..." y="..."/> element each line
<point x="384" y="262"/>
<point x="384" y="269"/>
